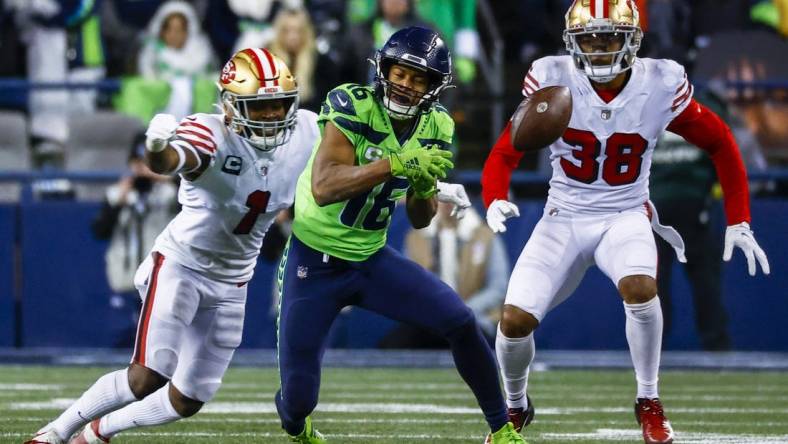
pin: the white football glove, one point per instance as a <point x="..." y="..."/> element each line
<point x="455" y="194"/>
<point x="160" y="130"/>
<point x="741" y="236"/>
<point x="498" y="212"/>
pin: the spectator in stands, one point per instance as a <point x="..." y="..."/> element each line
<point x="135" y="211"/>
<point x="456" y="21"/>
<point x="294" y="42"/>
<point x="467" y="256"/>
<point x="175" y="64"/>
<point x="123" y="25"/>
<point x="255" y="19"/>
<point x="390" y="17"/>
<point x="63" y="44"/>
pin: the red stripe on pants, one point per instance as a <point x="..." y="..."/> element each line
<point x="147" y="309"/>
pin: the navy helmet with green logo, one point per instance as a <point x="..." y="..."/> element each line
<point x="421" y="49"/>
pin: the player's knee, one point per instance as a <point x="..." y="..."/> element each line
<point x="637" y="289"/>
<point x="182" y="404"/>
<point x="462" y="322"/>
<point x="517" y="323"/>
<point x="144" y="381"/>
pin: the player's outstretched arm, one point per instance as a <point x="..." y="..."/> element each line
<point x="704" y="129"/>
<point x="335" y="175"/>
<point x="164" y="158"/>
<point x="496" y="175"/>
<point x="497" y="172"/>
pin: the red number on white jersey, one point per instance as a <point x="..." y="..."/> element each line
<point x="621" y="167"/>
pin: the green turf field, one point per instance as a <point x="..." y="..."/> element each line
<point x="408" y="405"/>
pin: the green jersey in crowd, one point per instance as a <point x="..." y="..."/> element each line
<point x="356" y="228"/>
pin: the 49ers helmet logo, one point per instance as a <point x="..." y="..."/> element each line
<point x="228" y="72"/>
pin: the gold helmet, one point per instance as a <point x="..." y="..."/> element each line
<point x="616" y="20"/>
<point x="253" y="75"/>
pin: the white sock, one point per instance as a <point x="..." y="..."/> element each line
<point x="155" y="409"/>
<point x="644" y="335"/>
<point x="514" y="357"/>
<point x="110" y="392"/>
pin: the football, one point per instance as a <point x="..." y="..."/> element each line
<point x="541" y="118"/>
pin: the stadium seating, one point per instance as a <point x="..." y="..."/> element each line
<point x="100" y="142"/>
<point x="14" y="150"/>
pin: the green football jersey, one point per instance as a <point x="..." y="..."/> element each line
<point x="356" y="228"/>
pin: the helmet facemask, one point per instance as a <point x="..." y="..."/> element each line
<point x="265" y="135"/>
<point x="602" y="32"/>
<point x="603" y="37"/>
<point x="393" y="95"/>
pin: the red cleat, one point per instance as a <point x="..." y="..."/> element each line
<point x="522" y="417"/>
<point x="656" y="427"/>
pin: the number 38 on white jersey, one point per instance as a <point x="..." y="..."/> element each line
<point x="602" y="162"/>
<point x="229" y="207"/>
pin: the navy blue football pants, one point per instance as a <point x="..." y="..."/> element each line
<point x="314" y="290"/>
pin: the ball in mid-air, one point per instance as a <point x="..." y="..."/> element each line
<point x="541" y="118"/>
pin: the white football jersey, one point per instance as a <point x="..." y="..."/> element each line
<point x="601" y="163"/>
<point x="229" y="207"/>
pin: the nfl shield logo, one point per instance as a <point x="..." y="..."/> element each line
<point x="301" y="272"/>
<point x="606" y="114"/>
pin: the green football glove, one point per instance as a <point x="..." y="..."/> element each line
<point x="424" y="188"/>
<point x="421" y="164"/>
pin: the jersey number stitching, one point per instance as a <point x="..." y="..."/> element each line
<point x="379" y="205"/>
<point x="624" y="157"/>
<point x="257" y="201"/>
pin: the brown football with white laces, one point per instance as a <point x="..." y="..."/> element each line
<point x="541" y="118"/>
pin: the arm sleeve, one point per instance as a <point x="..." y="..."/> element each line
<point x="195" y="134"/>
<point x="501" y="162"/>
<point x="704" y="129"/>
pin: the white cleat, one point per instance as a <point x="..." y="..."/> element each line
<point x="45" y="437"/>
<point x="90" y="435"/>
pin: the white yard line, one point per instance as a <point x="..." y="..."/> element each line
<point x="30" y="387"/>
<point x="331" y="407"/>
<point x="465" y="395"/>
<point x="208" y="419"/>
<point x="666" y="388"/>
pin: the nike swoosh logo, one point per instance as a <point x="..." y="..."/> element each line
<point x="191" y="118"/>
<point x="341" y="101"/>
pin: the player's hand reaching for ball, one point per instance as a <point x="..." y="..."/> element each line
<point x="160" y="130"/>
<point x="498" y="212"/>
<point x="421" y="166"/>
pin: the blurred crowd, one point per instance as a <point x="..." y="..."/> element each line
<point x="166" y="56"/>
